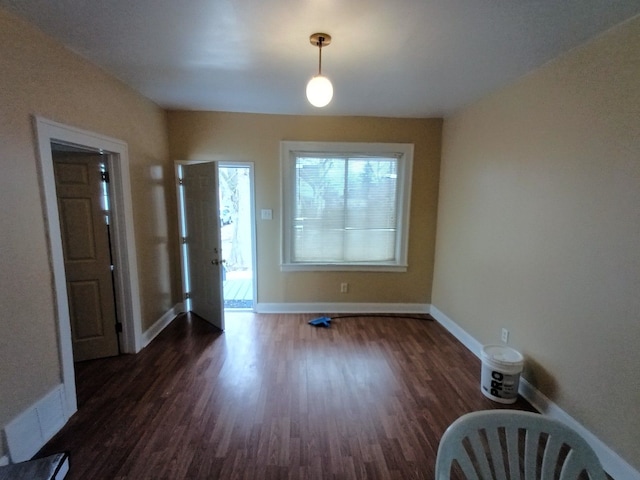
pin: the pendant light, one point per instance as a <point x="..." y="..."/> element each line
<point x="319" y="88"/>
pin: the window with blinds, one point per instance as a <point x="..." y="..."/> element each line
<point x="346" y="205"/>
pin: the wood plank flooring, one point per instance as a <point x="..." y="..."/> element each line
<point x="273" y="398"/>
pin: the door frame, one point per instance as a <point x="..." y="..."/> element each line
<point x="179" y="199"/>
<point x="123" y="240"/>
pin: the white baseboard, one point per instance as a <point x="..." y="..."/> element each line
<point x="160" y="324"/>
<point x="415" y="308"/>
<point x="29" y="431"/>
<point x="463" y="337"/>
<point x="613" y="464"/>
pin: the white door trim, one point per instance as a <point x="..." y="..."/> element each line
<point x="126" y="273"/>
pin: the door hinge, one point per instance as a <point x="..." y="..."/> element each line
<point x="180" y="181"/>
<point x="104" y="176"/>
<point x="113" y="267"/>
<point x="187" y="295"/>
<point x="118" y="327"/>
<point x="184" y="240"/>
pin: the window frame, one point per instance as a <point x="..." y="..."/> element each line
<point x="404" y="153"/>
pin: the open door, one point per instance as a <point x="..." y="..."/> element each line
<point x="80" y="187"/>
<point x="204" y="253"/>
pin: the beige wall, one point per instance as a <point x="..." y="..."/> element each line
<point x="40" y="77"/>
<point x="256" y="138"/>
<point x="539" y="230"/>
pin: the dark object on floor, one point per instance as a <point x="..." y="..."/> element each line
<point x="321" y="322"/>
<point x="53" y="467"/>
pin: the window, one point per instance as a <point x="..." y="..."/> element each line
<point x="345" y="205"/>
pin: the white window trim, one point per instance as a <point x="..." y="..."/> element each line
<point x="405" y="170"/>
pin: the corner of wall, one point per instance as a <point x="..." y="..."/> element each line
<point x="613" y="464"/>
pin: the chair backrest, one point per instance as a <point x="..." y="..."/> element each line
<point x="515" y="445"/>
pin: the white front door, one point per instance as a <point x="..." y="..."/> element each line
<point x="204" y="253"/>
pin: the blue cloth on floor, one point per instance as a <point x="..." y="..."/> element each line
<point x="321" y="322"/>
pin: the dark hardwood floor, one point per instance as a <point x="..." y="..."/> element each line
<point x="273" y="397"/>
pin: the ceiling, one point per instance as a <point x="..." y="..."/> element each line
<point x="400" y="58"/>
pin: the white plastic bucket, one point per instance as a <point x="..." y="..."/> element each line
<point x="501" y="368"/>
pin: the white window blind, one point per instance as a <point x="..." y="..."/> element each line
<point x="345" y="205"/>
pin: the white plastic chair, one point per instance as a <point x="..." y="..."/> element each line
<point x="515" y="445"/>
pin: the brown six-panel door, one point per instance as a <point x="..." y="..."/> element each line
<point x="87" y="257"/>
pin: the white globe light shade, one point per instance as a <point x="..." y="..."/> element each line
<point x="319" y="91"/>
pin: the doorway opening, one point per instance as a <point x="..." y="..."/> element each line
<point x="123" y="241"/>
<point x="236" y="232"/>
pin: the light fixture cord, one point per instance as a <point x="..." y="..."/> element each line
<point x="320" y="39"/>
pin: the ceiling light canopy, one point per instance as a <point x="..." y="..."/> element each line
<point x="319" y="88"/>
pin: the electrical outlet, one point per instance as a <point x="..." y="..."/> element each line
<point x="505" y="335"/>
<point x="344" y="287"/>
